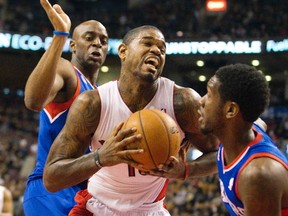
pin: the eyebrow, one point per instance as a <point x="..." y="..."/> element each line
<point x="95" y="33"/>
<point x="152" y="38"/>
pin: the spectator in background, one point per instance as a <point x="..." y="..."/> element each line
<point x="177" y="18"/>
<point x="6" y="202"/>
<point x="51" y="87"/>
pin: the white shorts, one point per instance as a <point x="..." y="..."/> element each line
<point x="153" y="209"/>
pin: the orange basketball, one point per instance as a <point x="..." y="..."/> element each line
<point x="160" y="136"/>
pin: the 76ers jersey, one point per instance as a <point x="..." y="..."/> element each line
<point x="122" y="185"/>
<point x="52" y="120"/>
<point x="261" y="146"/>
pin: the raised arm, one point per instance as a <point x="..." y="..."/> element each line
<point x="67" y="164"/>
<point x="46" y="79"/>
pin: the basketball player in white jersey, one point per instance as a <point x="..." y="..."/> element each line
<point x="6" y="202"/>
<point x="116" y="187"/>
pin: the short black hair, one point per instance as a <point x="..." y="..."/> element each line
<point x="133" y="33"/>
<point x="246" y="86"/>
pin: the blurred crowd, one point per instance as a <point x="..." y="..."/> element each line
<point x="197" y="197"/>
<point x="18" y="144"/>
<point x="18" y="147"/>
<point x="177" y="18"/>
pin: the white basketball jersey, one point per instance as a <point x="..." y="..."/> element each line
<point x="122" y="187"/>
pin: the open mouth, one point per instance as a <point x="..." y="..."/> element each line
<point x="152" y="61"/>
<point x="96" y="54"/>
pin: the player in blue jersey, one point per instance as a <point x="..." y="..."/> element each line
<point x="52" y="87"/>
<point x="253" y="172"/>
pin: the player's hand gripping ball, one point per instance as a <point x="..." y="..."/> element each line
<point x="160" y="137"/>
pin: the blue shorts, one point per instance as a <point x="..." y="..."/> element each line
<point x="38" y="201"/>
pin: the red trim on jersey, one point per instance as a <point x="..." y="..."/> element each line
<point x="92" y="84"/>
<point x="261" y="154"/>
<point x="54" y="108"/>
<point x="257" y="139"/>
<point x="81" y="199"/>
<point x="162" y="194"/>
<point x="131" y="171"/>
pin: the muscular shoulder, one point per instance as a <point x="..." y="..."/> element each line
<point x="86" y="109"/>
<point x="263" y="167"/>
<point x="64" y="66"/>
<point x="186" y="105"/>
<point x="184" y="96"/>
<point x="87" y="101"/>
<point x="65" y="82"/>
<point x="262" y="178"/>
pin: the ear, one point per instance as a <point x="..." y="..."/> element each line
<point x="73" y="46"/>
<point x="231" y="109"/>
<point x="122" y="51"/>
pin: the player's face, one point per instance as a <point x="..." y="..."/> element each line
<point x="211" y="108"/>
<point x="90" y="44"/>
<point x="146" y="54"/>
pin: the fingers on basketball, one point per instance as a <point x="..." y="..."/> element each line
<point x="160" y="137"/>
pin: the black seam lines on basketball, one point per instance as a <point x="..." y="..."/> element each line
<point x="148" y="147"/>
<point x="167" y="133"/>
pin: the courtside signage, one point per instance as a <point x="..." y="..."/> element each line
<point x="36" y="43"/>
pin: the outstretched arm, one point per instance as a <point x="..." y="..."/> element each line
<point x="67" y="164"/>
<point x="176" y="168"/>
<point x="46" y="80"/>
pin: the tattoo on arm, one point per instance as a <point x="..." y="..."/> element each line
<point x="186" y="104"/>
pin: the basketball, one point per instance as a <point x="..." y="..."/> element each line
<point x="160" y="137"/>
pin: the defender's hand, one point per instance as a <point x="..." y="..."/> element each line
<point x="59" y="19"/>
<point x="173" y="168"/>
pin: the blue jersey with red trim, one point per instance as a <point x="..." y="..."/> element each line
<point x="52" y="120"/>
<point x="261" y="146"/>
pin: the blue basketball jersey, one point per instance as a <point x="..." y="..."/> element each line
<point x="261" y="146"/>
<point x="52" y="120"/>
<point x="37" y="200"/>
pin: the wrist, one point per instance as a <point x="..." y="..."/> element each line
<point x="186" y="172"/>
<point x="97" y="159"/>
<point x="60" y="33"/>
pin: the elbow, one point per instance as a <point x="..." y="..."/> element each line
<point x="49" y="186"/>
<point x="50" y="183"/>
<point x="32" y="104"/>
